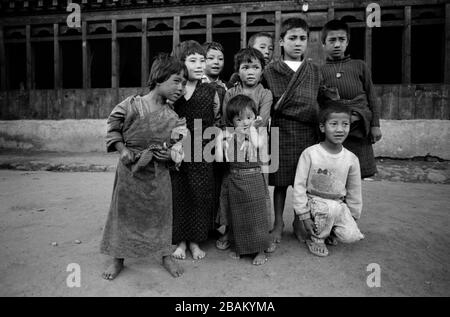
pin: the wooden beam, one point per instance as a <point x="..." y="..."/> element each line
<point x="56" y="58"/>
<point x="447" y="45"/>
<point x="277" y="51"/>
<point x="368" y="47"/>
<point x="243" y="29"/>
<point x="114" y="55"/>
<point x="2" y="61"/>
<point x="406" y="47"/>
<point x="176" y="31"/>
<point x="209" y="27"/>
<point x="85" y="55"/>
<point x="144" y="54"/>
<point x="29" y="81"/>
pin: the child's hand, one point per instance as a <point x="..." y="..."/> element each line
<point x="162" y="155"/>
<point x="126" y="156"/>
<point x="258" y="122"/>
<point x="375" y="134"/>
<point x="310" y="227"/>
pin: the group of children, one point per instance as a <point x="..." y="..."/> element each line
<point x="165" y="194"/>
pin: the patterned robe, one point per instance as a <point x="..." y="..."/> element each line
<point x="139" y="222"/>
<point x="296" y="117"/>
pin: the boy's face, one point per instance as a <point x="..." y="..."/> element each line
<point x="250" y="73"/>
<point x="336" y="43"/>
<point x="195" y="64"/>
<point x="294" y="44"/>
<point x="173" y="88"/>
<point x="336" y="128"/>
<point x="214" y="63"/>
<point x="244" y="119"/>
<point x="265" y="46"/>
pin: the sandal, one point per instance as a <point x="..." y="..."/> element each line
<point x="314" y="248"/>
<point x="222" y="244"/>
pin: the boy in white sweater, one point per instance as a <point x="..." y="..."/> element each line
<point x="327" y="189"/>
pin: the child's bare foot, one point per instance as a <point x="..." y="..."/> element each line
<point x="299" y="230"/>
<point x="234" y="255"/>
<point x="172" y="266"/>
<point x="260" y="259"/>
<point x="113" y="270"/>
<point x="197" y="253"/>
<point x="180" y="252"/>
<point x="277" y="231"/>
<point x="316" y="248"/>
<point x="331" y="240"/>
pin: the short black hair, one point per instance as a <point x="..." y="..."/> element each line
<point x="236" y="105"/>
<point x="186" y="48"/>
<point x="334" y="25"/>
<point x="246" y="55"/>
<point x="293" y="23"/>
<point x="212" y="46"/>
<point x="326" y="111"/>
<point x="163" y="67"/>
<point x="252" y="39"/>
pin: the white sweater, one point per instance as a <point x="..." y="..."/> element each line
<point x="331" y="176"/>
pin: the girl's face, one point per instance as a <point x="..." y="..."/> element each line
<point x="173" y="88"/>
<point x="244" y="119"/>
<point x="336" y="128"/>
<point x="294" y="44"/>
<point x="214" y="63"/>
<point x="265" y="46"/>
<point x="195" y="64"/>
<point x="250" y="73"/>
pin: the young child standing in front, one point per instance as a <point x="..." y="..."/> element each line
<point x="353" y="82"/>
<point x="294" y="83"/>
<point x="139" y="222"/>
<point x="261" y="41"/>
<point x="327" y="188"/>
<point x="249" y="64"/>
<point x="193" y="184"/>
<point x="244" y="189"/>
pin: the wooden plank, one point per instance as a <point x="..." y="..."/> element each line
<point x="29" y="72"/>
<point x="144" y="54"/>
<point x="406" y="47"/>
<point x="389" y="104"/>
<point x="176" y="31"/>
<point x="85" y="55"/>
<point x="423" y="102"/>
<point x="368" y="46"/>
<point x="3" y="85"/>
<point x="243" y="29"/>
<point x="209" y="27"/>
<point x="447" y="45"/>
<point x="114" y="55"/>
<point x="56" y="58"/>
<point x="277" y="50"/>
<point x="440" y="102"/>
<point x="406" y="102"/>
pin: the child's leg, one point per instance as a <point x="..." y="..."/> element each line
<point x="197" y="253"/>
<point x="279" y="198"/>
<point x="170" y="265"/>
<point x="113" y="270"/>
<point x="346" y="229"/>
<point x="180" y="251"/>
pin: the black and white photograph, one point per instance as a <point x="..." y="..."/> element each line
<point x="224" y="154"/>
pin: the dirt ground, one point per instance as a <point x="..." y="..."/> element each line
<point x="406" y="227"/>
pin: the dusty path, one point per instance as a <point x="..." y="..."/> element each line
<point x="406" y="227"/>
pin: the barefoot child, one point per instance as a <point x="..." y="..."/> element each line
<point x="249" y="64"/>
<point x="139" y="222"/>
<point x="261" y="41"/>
<point x="353" y="83"/>
<point x="327" y="189"/>
<point x="193" y="185"/>
<point x="294" y="83"/>
<point x="244" y="189"/>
